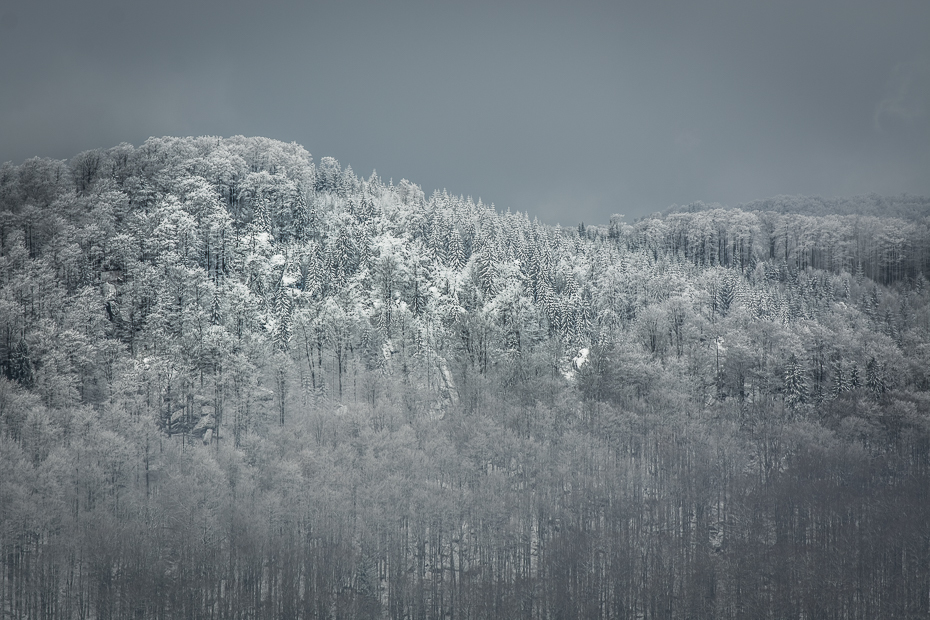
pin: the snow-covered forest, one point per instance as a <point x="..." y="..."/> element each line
<point x="241" y="383"/>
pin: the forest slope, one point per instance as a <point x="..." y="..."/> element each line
<point x="239" y="383"/>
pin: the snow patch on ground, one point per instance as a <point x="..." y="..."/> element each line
<point x="581" y="359"/>
<point x="577" y="364"/>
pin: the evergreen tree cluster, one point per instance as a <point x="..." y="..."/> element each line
<point x="238" y="383"/>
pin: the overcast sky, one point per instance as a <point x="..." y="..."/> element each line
<point x="569" y="111"/>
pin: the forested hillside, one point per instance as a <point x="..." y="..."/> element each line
<point x="238" y="383"/>
<point x="905" y="206"/>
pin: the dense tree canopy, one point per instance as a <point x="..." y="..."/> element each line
<point x="240" y="384"/>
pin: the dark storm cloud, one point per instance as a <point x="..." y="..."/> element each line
<point x="568" y="112"/>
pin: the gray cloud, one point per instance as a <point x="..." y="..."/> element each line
<point x="567" y="112"/>
<point x="907" y="95"/>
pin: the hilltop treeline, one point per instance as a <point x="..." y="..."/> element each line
<point x="239" y="383"/>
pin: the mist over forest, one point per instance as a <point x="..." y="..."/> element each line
<point x="238" y="382"/>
